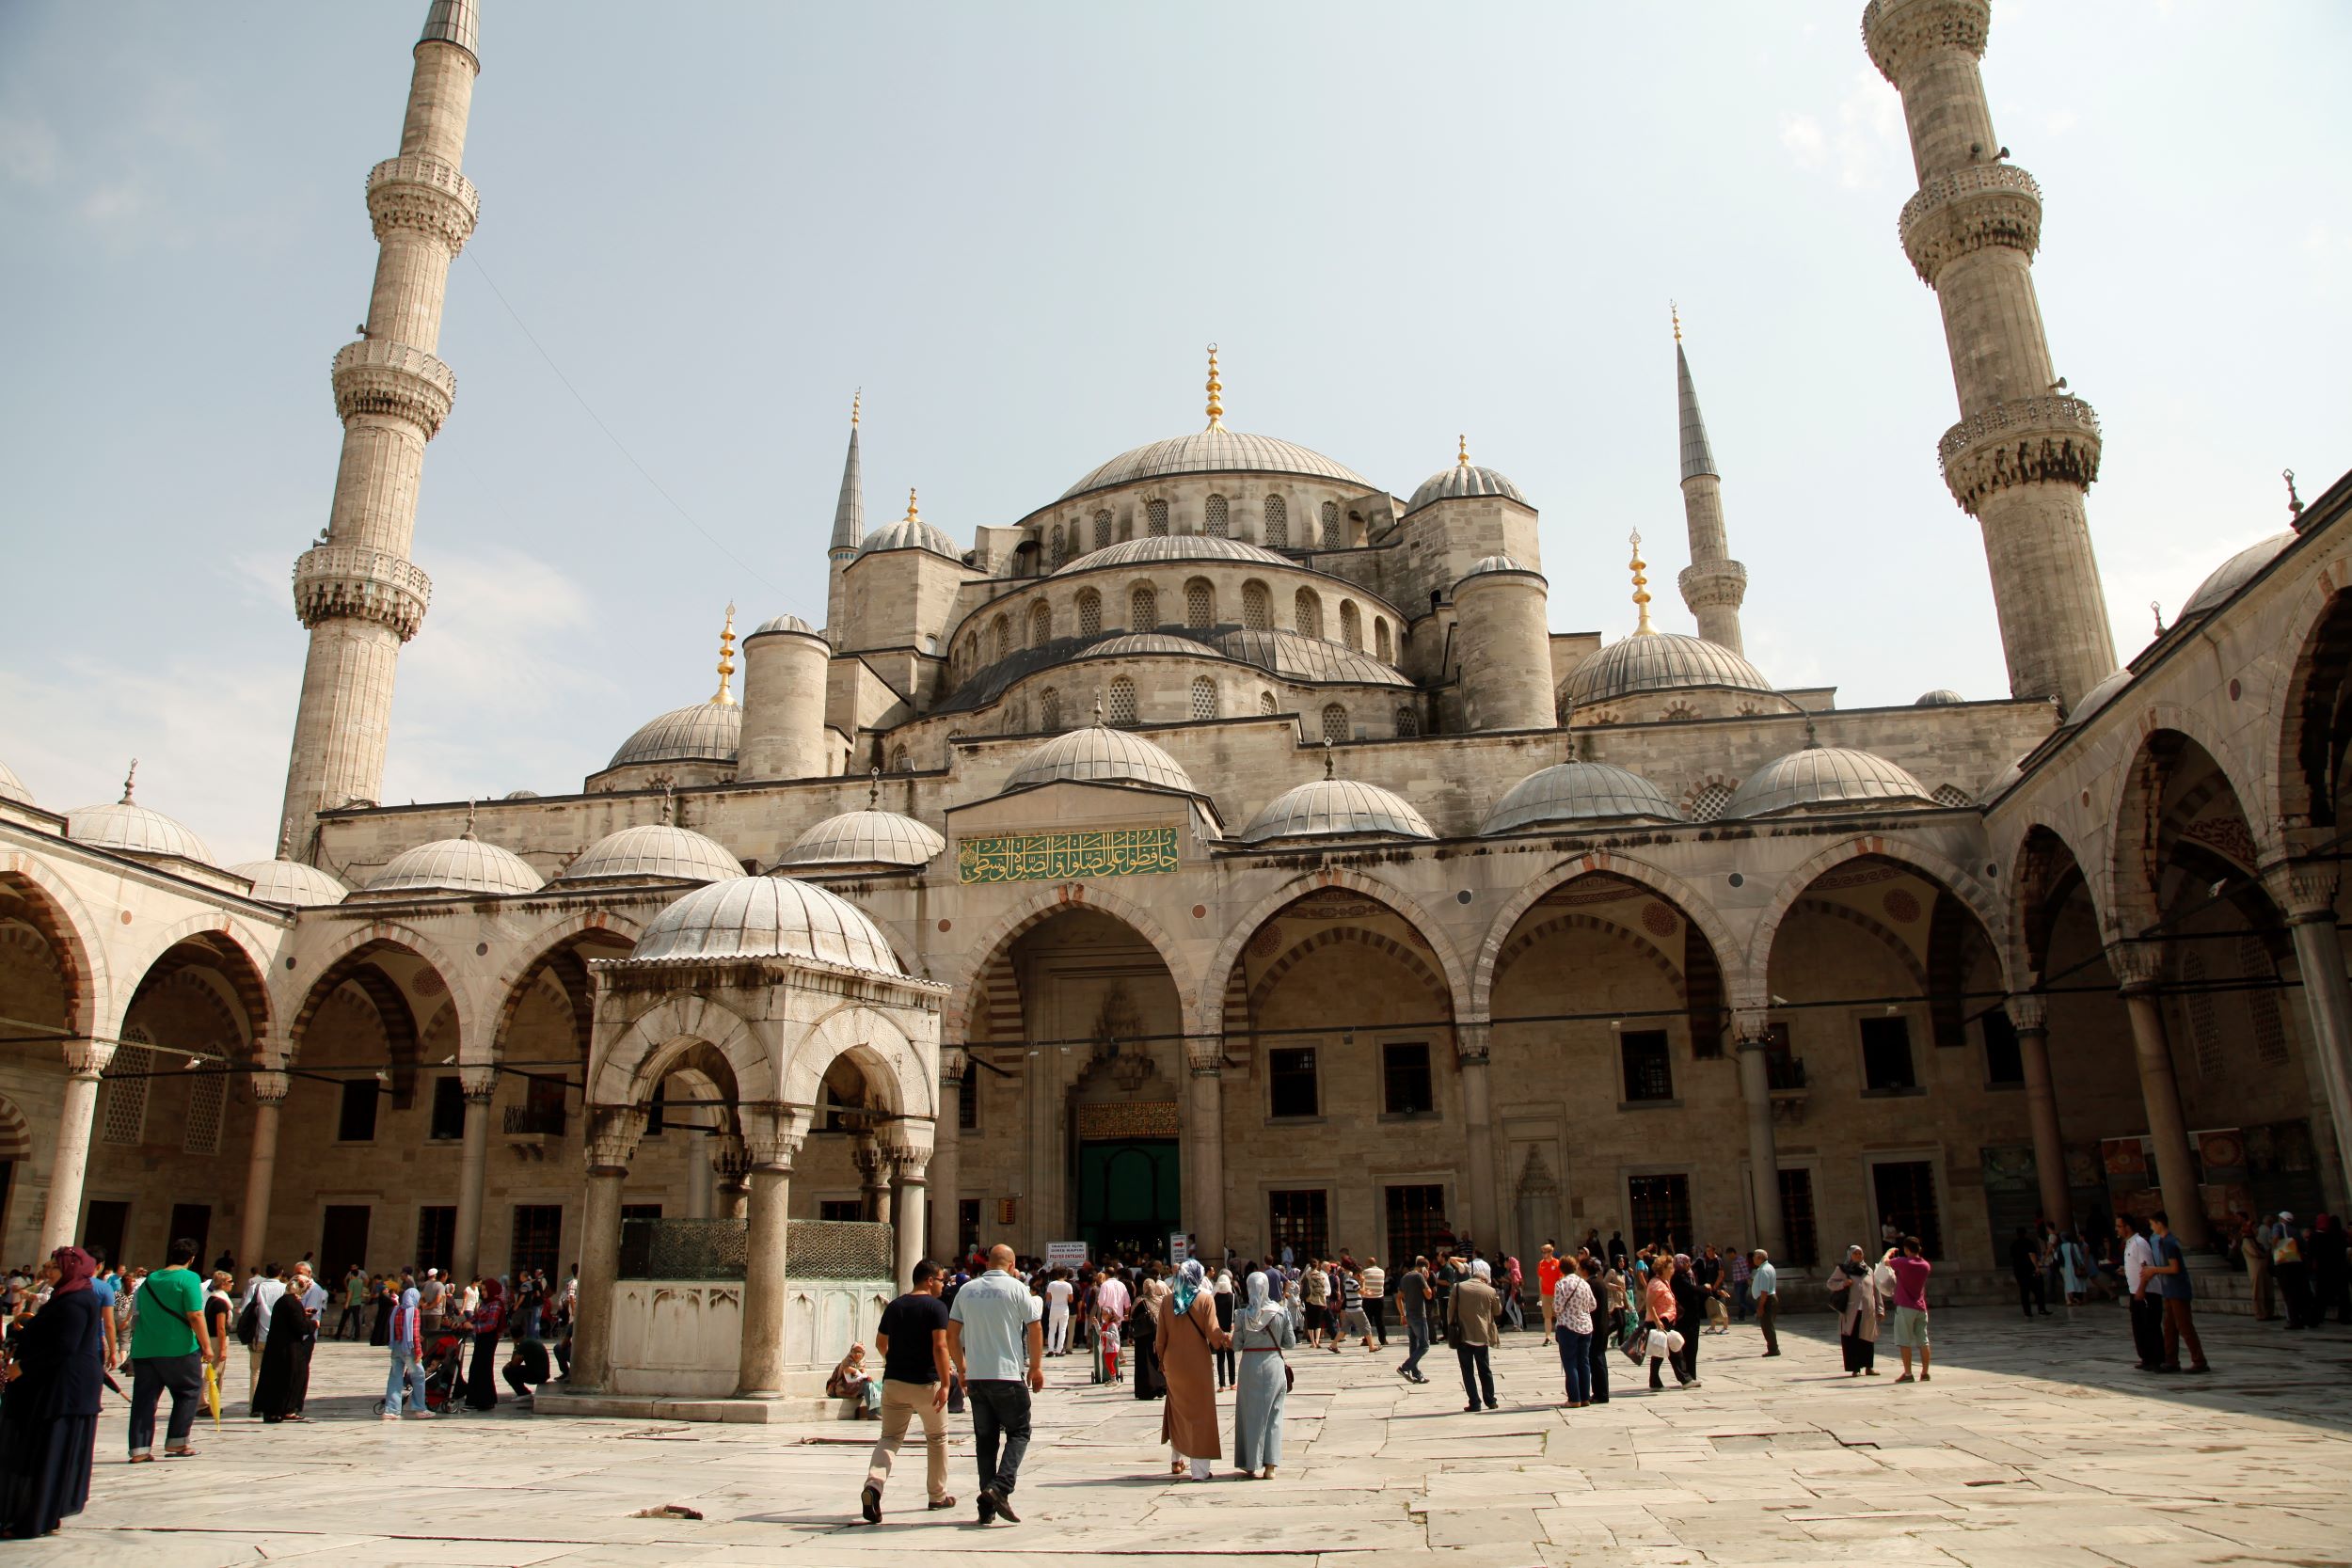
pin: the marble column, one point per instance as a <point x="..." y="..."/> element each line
<point x="1205" y="1142"/>
<point x="1753" y="1032"/>
<point x="946" y="1141"/>
<point x="759" y="1371"/>
<point x="2306" y="890"/>
<point x="1478" y="1115"/>
<point x="480" y="1083"/>
<point x="700" y="1179"/>
<point x="2028" y="1014"/>
<point x="261" y="1168"/>
<point x="873" y="1176"/>
<point x="2137" y="966"/>
<point x="62" y="1221"/>
<point x="733" y="1179"/>
<point x="611" y="1144"/>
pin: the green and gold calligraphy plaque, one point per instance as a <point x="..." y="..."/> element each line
<point x="1065" y="857"/>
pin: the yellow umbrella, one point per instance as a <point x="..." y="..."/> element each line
<point x="212" y="1392"/>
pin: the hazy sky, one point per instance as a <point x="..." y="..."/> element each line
<point x="1016" y="227"/>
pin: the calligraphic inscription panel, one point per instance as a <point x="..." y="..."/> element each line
<point x="1065" y="857"/>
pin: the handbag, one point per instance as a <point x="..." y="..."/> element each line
<point x="1637" y="1348"/>
<point x="1290" y="1379"/>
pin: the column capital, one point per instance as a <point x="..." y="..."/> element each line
<point x="772" y="1134"/>
<point x="2306" y="890"/>
<point x="1204" y="1055"/>
<point x="611" y="1140"/>
<point x="2136" y="965"/>
<point x="953" y="1063"/>
<point x="1473" y="1042"/>
<point x="908" y="1136"/>
<point x="1751" y="1027"/>
<point x="867" y="1155"/>
<point x="86" y="1058"/>
<point x="727" y="1161"/>
<point x="2028" y="1012"/>
<point x="271" y="1087"/>
<point x="479" y="1079"/>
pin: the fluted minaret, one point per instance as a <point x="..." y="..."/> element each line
<point x="2023" y="453"/>
<point x="1713" y="585"/>
<point x="356" y="590"/>
<point x="848" y="527"/>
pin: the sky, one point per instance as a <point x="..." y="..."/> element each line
<point x="1016" y="227"/>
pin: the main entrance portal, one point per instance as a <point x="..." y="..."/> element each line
<point x="1128" y="1197"/>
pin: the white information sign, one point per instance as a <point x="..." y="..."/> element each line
<point x="1065" y="1255"/>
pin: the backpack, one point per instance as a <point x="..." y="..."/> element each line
<point x="249" y="1320"/>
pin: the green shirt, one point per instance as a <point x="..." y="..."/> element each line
<point x="163" y="1329"/>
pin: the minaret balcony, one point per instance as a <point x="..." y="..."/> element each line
<point x="1899" y="34"/>
<point x="422" y="194"/>
<point x="1713" y="584"/>
<point x="392" y="380"/>
<point x="353" y="581"/>
<point x="2023" y="442"/>
<point x="1957" y="213"/>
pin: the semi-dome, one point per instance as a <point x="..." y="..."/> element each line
<point x="704" y="732"/>
<point x="12" y="788"/>
<point x="1161" y="547"/>
<point x="1296" y="656"/>
<point x="1337" y="808"/>
<point x="1660" y="661"/>
<point x="767" y="917"/>
<point x="786" y="623"/>
<point x="910" y="533"/>
<point x="867" y="837"/>
<point x="1100" y="754"/>
<point x="653" y="851"/>
<point x="291" y="884"/>
<point x="1134" y="644"/>
<point x="133" y="829"/>
<point x="463" y="865"/>
<point x="1464" y="479"/>
<point x="2234" y="573"/>
<point x="2100" y="695"/>
<point x="1215" y="451"/>
<point x="1571" y="792"/>
<point x="1942" y="696"/>
<point x="1824" y="778"/>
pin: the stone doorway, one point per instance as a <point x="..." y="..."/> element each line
<point x="1129" y="1197"/>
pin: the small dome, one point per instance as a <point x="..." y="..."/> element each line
<point x="1487" y="564"/>
<point x="767" y="917"/>
<point x="12" y="788"/>
<point x="2100" y="695"/>
<point x="455" y="866"/>
<point x="1824" y="778"/>
<point x="2235" y="573"/>
<point x="134" y="830"/>
<point x="785" y="623"/>
<point x="1942" y="696"/>
<point x="706" y="732"/>
<point x="1579" y="792"/>
<point x="1461" y="481"/>
<point x="1215" y="451"/>
<point x="650" y="852"/>
<point x="1660" y="661"/>
<point x="910" y="533"/>
<point x="868" y="837"/>
<point x="1336" y="808"/>
<point x="290" y="882"/>
<point x="1099" y="754"/>
<point x="1134" y="644"/>
<point x="1163" y="548"/>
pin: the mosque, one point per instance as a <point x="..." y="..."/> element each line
<point x="1229" y="853"/>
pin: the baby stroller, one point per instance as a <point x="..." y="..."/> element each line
<point x="441" y="1376"/>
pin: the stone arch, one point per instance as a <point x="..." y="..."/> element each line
<point x="1208" y="1006"/>
<point x="2044" y="857"/>
<point x="60" y="917"/>
<point x="1389" y="948"/>
<point x="338" y="964"/>
<point x="1658" y="880"/>
<point x="1886" y="937"/>
<point x="1643" y="949"/>
<point x="663" y="1034"/>
<point x="1035" y="910"/>
<point x="2135" y="822"/>
<point x="226" y="948"/>
<point x="543" y="948"/>
<point x="1955" y="879"/>
<point x="877" y="1047"/>
<point x="16" y="1136"/>
<point x="2312" y="735"/>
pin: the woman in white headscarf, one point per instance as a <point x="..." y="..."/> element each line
<point x="1261" y="1331"/>
<point x="1853" y="1291"/>
<point x="1188" y="1335"/>
<point x="1221" y="1297"/>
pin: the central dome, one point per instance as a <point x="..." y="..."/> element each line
<point x="767" y="917"/>
<point x="1099" y="754"/>
<point x="1172" y="547"/>
<point x="1215" y="451"/>
<point x="1660" y="661"/>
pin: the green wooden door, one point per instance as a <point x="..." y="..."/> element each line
<point x="1128" y="1197"/>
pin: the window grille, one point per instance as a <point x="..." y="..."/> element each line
<point x="1204" y="697"/>
<point x="1051" y="703"/>
<point x="1380" y="644"/>
<point x="1265" y="702"/>
<point x="1257" y="613"/>
<point x="1102" y="528"/>
<point x="1217" y="517"/>
<point x="1090" y="613"/>
<point x="1351" y="625"/>
<point x="1407" y="722"/>
<point x="208" y="1093"/>
<point x="1951" y="795"/>
<point x="1143" y="609"/>
<point x="1707" y="804"/>
<point x="999" y="638"/>
<point x="1041" y="625"/>
<point x="1331" y="537"/>
<point x="1200" y="605"/>
<point x="1061" y="546"/>
<point x="1155" y="518"/>
<point x="1335" y="722"/>
<point x="1277" y="523"/>
<point x="126" y="1089"/>
<point x="898" y="761"/>
<point x="1119" y="704"/>
<point x="1308" y="612"/>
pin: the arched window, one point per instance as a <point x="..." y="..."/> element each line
<point x="1407" y="722"/>
<point x="1308" y="612"/>
<point x="1257" y="608"/>
<point x="1102" y="528"/>
<point x="1265" y="702"/>
<point x="1332" y="539"/>
<point x="1060" y="546"/>
<point x="1204" y="697"/>
<point x="1335" y="722"/>
<point x="1143" y="608"/>
<point x="1155" y="518"/>
<point x="1351" y="625"/>
<point x="1277" y="523"/>
<point x="1119" y="704"/>
<point x="1380" y="639"/>
<point x="1041" y="624"/>
<point x="1089" y="612"/>
<point x="1200" y="605"/>
<point x="898" y="761"/>
<point x="1217" y="517"/>
<point x="1051" y="703"/>
<point x="1708" y="801"/>
<point x="999" y="638"/>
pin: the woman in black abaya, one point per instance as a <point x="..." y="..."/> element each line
<point x="49" y="1418"/>
<point x="285" y="1375"/>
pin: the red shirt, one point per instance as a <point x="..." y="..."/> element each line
<point x="1547" y="1274"/>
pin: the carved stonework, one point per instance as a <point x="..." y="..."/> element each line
<point x="426" y="195"/>
<point x="2024" y="441"/>
<point x="2138" y="965"/>
<point x="478" y="1080"/>
<point x="2028" y="1013"/>
<point x="1722" y="584"/>
<point x="393" y="381"/>
<point x="1204" y="1055"/>
<point x="2306" y="890"/>
<point x="1955" y="213"/>
<point x="87" y="1058"/>
<point x="1901" y="34"/>
<point x="1471" y="1042"/>
<point x="953" y="1064"/>
<point x="270" y="1089"/>
<point x="1751" y="1027"/>
<point x="611" y="1137"/>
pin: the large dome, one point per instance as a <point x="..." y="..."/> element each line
<point x="455" y="866"/>
<point x="1172" y="547"/>
<point x="910" y="533"/>
<point x="767" y="917"/>
<point x="291" y="884"/>
<point x="868" y="837"/>
<point x="1099" y="754"/>
<point x="1579" y="792"/>
<point x="1465" y="479"/>
<point x="12" y="788"/>
<point x="134" y="830"/>
<point x="2234" y="573"/>
<point x="706" y="732"/>
<point x="1215" y="451"/>
<point x="1824" y="778"/>
<point x="1660" y="661"/>
<point x="1334" y="808"/>
<point x="653" y="851"/>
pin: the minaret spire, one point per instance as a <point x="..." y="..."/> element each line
<point x="356" y="589"/>
<point x="1713" y="585"/>
<point x="848" y="526"/>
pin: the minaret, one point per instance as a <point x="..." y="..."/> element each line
<point x="2024" y="451"/>
<point x="356" y="589"/>
<point x="849" y="527"/>
<point x="1713" y="585"/>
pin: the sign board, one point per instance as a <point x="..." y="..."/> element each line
<point x="1065" y="1255"/>
<point x="1179" y="1246"/>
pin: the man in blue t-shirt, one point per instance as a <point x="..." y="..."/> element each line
<point x="2169" y="1278"/>
<point x="996" y="1338"/>
<point x="912" y="1339"/>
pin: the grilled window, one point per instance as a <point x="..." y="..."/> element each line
<point x="1120" y="702"/>
<point x="1335" y="724"/>
<point x="1277" y="523"/>
<point x="1257" y="610"/>
<point x="1090" y="613"/>
<point x="1155" y="518"/>
<point x="1332" y="536"/>
<point x="1217" y="517"/>
<point x="1143" y="608"/>
<point x="1204" y="697"/>
<point x="1307" y="612"/>
<point x="1200" y="605"/>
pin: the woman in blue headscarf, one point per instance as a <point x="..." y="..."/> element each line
<point x="1261" y="1331"/>
<point x="1187" y="1341"/>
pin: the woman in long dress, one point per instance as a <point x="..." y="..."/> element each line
<point x="48" y="1418"/>
<point x="1222" y="1299"/>
<point x="1142" y="1333"/>
<point x="1855" y="1294"/>
<point x="284" y="1380"/>
<point x="489" y="1320"/>
<point x="1187" y="1337"/>
<point x="1261" y="1331"/>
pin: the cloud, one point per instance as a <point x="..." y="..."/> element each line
<point x="1869" y="146"/>
<point x="1801" y="134"/>
<point x="29" y="153"/>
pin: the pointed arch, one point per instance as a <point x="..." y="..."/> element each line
<point x="890" y="1061"/>
<point x="67" y="924"/>
<point x="1657" y="879"/>
<point x="16" y="1136"/>
<point x="1956" y="880"/>
<point x="2042" y="865"/>
<point x="542" y="948"/>
<point x="2311" y="740"/>
<point x="1035" y="910"/>
<point x="2132" y="868"/>
<point x="1206" y="1010"/>
<point x="655" y="1041"/>
<point x="240" y="960"/>
<point x="347" y="954"/>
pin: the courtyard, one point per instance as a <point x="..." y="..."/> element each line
<point x="2036" y="1444"/>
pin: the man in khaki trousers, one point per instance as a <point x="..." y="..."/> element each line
<point x="912" y="1339"/>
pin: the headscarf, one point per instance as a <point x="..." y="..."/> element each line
<point x="75" y="1268"/>
<point x="492" y="1290"/>
<point x="1189" y="1279"/>
<point x="1260" y="1312"/>
<point x="1224" y="1286"/>
<point x="1483" y="1269"/>
<point x="1850" y="1269"/>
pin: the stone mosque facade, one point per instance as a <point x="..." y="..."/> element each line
<point x="1229" y="847"/>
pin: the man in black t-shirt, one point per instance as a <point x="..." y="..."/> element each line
<point x="912" y="1339"/>
<point x="1413" y="1296"/>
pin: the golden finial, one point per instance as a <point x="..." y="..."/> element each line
<point x="126" y="781"/>
<point x="1676" y="311"/>
<point x="856" y="398"/>
<point x="1641" y="586"/>
<point x="913" y="515"/>
<point x="726" y="697"/>
<point x="1461" y="451"/>
<point x="1216" y="393"/>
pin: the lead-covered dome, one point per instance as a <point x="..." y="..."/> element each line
<point x="2235" y="573"/>
<point x="12" y="788"/>
<point x="651" y="852"/>
<point x="464" y="864"/>
<point x="2100" y="695"/>
<point x="1660" y="661"/>
<point x="766" y="917"/>
<point x="131" y="828"/>
<point x="1296" y="656"/>
<point x="1100" y="754"/>
<point x="1942" y="696"/>
<point x="910" y="533"/>
<point x="1337" y="808"/>
<point x="1162" y="548"/>
<point x="291" y="883"/>
<point x="705" y="732"/>
<point x="863" y="838"/>
<point x="1571" y="792"/>
<point x="786" y="623"/>
<point x="1824" y="778"/>
<point x="1137" y="644"/>
<point x="1215" y="451"/>
<point x="1464" y="479"/>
